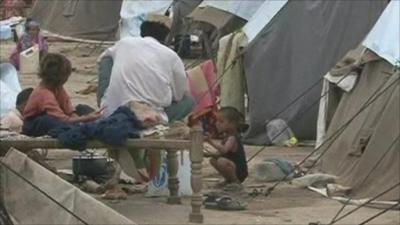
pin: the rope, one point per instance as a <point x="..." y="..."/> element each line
<point x="365" y="179"/>
<point x="379" y="214"/>
<point x="366" y="203"/>
<point x="43" y="192"/>
<point x="370" y="100"/>
<point x="301" y="113"/>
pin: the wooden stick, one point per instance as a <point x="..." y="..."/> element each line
<point x="29" y="144"/>
<point x="173" y="181"/>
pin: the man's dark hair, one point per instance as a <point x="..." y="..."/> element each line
<point x="156" y="30"/>
<point x="23" y="96"/>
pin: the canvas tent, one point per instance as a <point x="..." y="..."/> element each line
<point x="84" y="19"/>
<point x="261" y="17"/>
<point x="229" y="66"/>
<point x="291" y="52"/>
<point x="133" y="13"/>
<point x="366" y="155"/>
<point x="218" y="18"/>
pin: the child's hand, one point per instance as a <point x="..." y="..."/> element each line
<point x="95" y="115"/>
<point x="207" y="154"/>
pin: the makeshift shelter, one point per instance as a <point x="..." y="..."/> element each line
<point x="214" y="19"/>
<point x="83" y="19"/>
<point x="181" y="9"/>
<point x="287" y="58"/>
<point x="362" y="145"/>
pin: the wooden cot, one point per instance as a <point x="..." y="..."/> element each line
<point x="194" y="144"/>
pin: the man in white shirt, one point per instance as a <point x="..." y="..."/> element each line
<point x="145" y="70"/>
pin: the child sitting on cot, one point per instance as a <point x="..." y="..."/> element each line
<point x="230" y="161"/>
<point x="13" y="121"/>
<point x="49" y="104"/>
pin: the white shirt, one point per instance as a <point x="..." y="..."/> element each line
<point x="144" y="70"/>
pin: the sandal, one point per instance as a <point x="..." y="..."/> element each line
<point x="230" y="204"/>
<point x="223" y="203"/>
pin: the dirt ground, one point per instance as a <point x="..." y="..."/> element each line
<point x="286" y="205"/>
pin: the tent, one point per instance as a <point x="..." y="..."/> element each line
<point x="261" y="17"/>
<point x="232" y="78"/>
<point x="84" y="19"/>
<point x="366" y="154"/>
<point x="242" y="9"/>
<point x="133" y="13"/>
<point x="287" y="57"/>
<point x="215" y="19"/>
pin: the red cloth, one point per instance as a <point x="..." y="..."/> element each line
<point x="204" y="90"/>
<point x="202" y="86"/>
<point x="55" y="103"/>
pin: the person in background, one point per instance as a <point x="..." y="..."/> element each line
<point x="230" y="159"/>
<point x="13" y="121"/>
<point x="49" y="104"/>
<point x="30" y="38"/>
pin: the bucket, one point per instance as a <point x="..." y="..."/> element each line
<point x="29" y="60"/>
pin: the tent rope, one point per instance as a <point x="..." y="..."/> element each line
<point x="379" y="214"/>
<point x="365" y="179"/>
<point x="43" y="192"/>
<point x="334" y="136"/>
<point x="367" y="202"/>
<point x="301" y="113"/>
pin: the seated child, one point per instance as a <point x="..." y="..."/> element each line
<point x="230" y="161"/>
<point x="13" y="121"/>
<point x="49" y="104"/>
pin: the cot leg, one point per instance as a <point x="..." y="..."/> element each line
<point x="196" y="158"/>
<point x="173" y="182"/>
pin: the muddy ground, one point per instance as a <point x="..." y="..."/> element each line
<point x="286" y="205"/>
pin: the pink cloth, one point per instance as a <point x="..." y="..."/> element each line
<point x="202" y="85"/>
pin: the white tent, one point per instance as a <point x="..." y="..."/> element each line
<point x="384" y="37"/>
<point x="133" y="13"/>
<point x="261" y="18"/>
<point x="243" y="9"/>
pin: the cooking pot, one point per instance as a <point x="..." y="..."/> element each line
<point x="90" y="165"/>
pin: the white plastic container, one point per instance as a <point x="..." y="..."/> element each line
<point x="29" y="60"/>
<point x="158" y="187"/>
